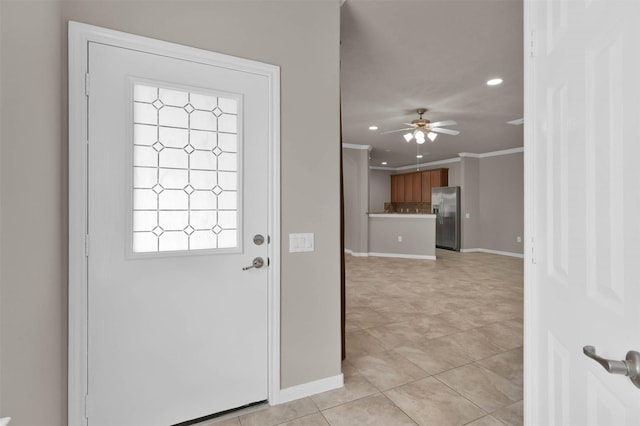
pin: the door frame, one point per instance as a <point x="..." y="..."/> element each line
<point x="80" y="35"/>
<point x="531" y="303"/>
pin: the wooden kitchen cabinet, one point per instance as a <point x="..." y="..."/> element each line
<point x="408" y="189"/>
<point x="439" y="177"/>
<point x="394" y="193"/>
<point x="397" y="189"/>
<point x="416" y="187"/>
<point x="412" y="188"/>
<point x="426" y="187"/>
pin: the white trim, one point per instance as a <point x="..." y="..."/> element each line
<point x="483" y="250"/>
<point x="531" y="305"/>
<point x="1" y="230"/>
<point x="439" y="162"/>
<point x="273" y="272"/>
<point x="311" y="388"/>
<point x="516" y="122"/>
<point x="447" y="161"/>
<point x="403" y="256"/>
<point x="79" y="37"/>
<point x="403" y="215"/>
<point x="77" y="357"/>
<point x="493" y="153"/>
<point x="355" y="254"/>
<point x="431" y="164"/>
<point x="468" y="154"/>
<point x="354" y="146"/>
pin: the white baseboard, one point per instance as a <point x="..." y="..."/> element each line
<point x="403" y="256"/>
<point x="352" y="253"/>
<point x="307" y="389"/>
<point x="483" y="250"/>
<point x="425" y="257"/>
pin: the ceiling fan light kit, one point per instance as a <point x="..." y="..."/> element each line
<point x="422" y="128"/>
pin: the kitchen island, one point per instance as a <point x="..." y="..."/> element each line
<point x="405" y="235"/>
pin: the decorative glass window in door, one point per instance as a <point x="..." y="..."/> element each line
<point x="185" y="170"/>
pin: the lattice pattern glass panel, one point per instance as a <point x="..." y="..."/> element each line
<point x="185" y="170"/>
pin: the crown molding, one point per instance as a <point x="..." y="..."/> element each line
<point x="491" y="154"/>
<point x="417" y="166"/>
<point x="430" y="164"/>
<point x="440" y="162"/>
<point x="355" y="146"/>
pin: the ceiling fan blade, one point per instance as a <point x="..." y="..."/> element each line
<point x="443" y="123"/>
<point x="409" y="124"/>
<point x="393" y="131"/>
<point x="445" y="131"/>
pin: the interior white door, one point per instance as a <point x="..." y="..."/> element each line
<point x="177" y="188"/>
<point x="583" y="278"/>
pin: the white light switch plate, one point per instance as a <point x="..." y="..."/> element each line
<point x="301" y="242"/>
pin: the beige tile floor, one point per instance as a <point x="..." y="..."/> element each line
<point x="428" y="343"/>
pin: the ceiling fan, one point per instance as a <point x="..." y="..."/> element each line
<point x="423" y="127"/>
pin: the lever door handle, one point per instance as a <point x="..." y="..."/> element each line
<point x="629" y="367"/>
<point x="257" y="263"/>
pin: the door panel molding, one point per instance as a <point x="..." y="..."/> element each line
<point x="580" y="287"/>
<point x="80" y="35"/>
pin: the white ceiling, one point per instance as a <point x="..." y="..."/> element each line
<point x="398" y="55"/>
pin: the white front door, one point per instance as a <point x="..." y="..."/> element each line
<point x="177" y="189"/>
<point x="583" y="199"/>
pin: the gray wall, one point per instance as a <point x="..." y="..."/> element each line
<point x="356" y="199"/>
<point x="380" y="183"/>
<point x="379" y="189"/>
<point x="470" y="202"/>
<point x="492" y="193"/>
<point x="454" y="172"/>
<point x="502" y="202"/>
<point x="418" y="235"/>
<point x="33" y="175"/>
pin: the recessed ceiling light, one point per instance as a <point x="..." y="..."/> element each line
<point x="419" y="156"/>
<point x="494" y="82"/>
<point x="384" y="163"/>
<point x="373" y="127"/>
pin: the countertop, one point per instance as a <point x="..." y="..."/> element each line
<point x="403" y="215"/>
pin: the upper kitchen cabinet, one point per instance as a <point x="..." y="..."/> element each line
<point x="426" y="186"/>
<point x="416" y="183"/>
<point x="416" y="187"/>
<point x="439" y="177"/>
<point x="397" y="188"/>
<point x="412" y="188"/>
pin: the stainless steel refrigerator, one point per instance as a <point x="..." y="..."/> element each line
<point x="445" y="204"/>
